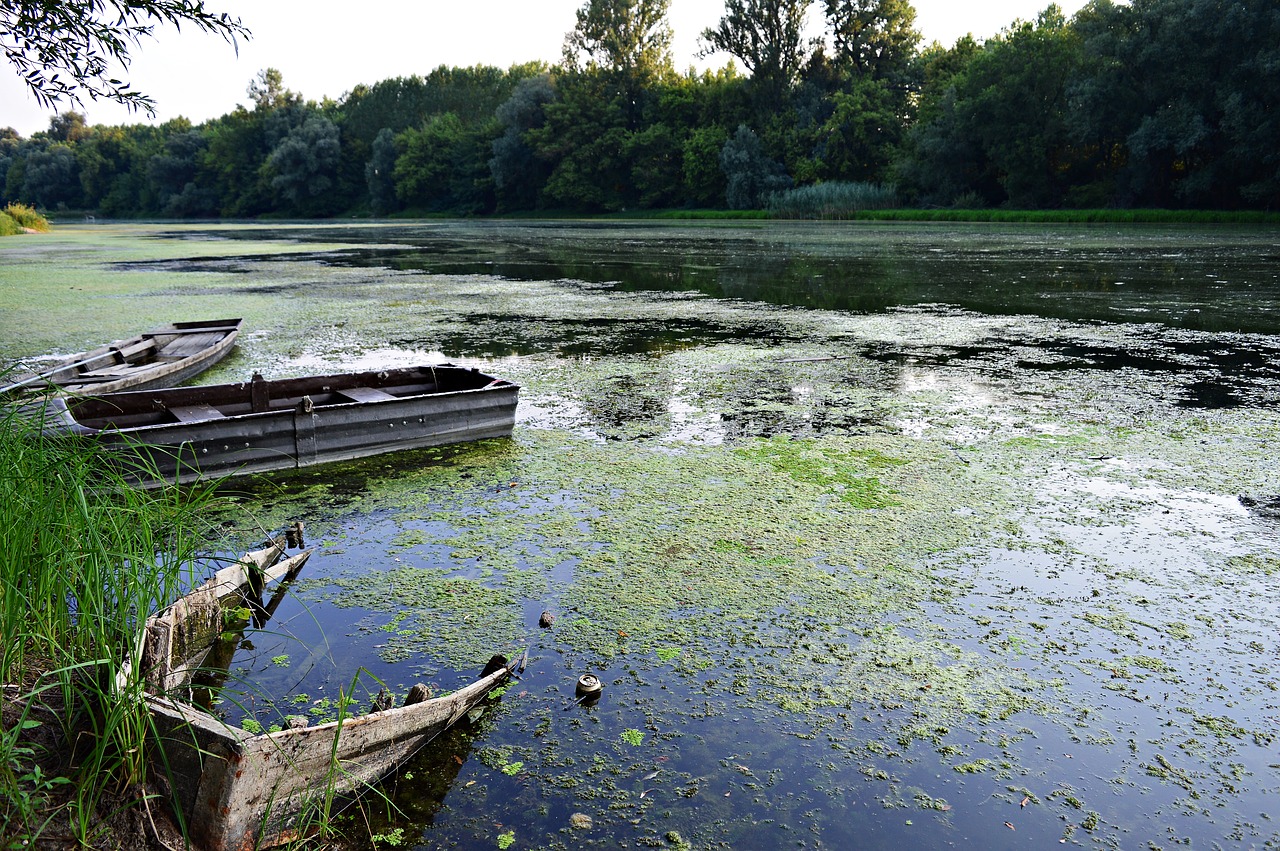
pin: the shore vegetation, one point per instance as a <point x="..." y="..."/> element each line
<point x="87" y="559"/>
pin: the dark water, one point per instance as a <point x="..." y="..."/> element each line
<point x="1220" y="279"/>
<point x="980" y="485"/>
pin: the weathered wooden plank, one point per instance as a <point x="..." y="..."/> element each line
<point x="142" y="352"/>
<point x="195" y="413"/>
<point x="365" y="394"/>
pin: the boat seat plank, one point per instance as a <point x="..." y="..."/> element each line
<point x="195" y="413"/>
<point x="111" y="373"/>
<point x="365" y="394"/>
<point x="133" y="350"/>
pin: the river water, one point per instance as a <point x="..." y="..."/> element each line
<point x="877" y="535"/>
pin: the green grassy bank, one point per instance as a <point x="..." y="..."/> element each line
<point x="85" y="561"/>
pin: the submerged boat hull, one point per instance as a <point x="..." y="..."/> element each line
<point x="257" y="426"/>
<point x="239" y="791"/>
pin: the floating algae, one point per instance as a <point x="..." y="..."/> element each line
<point x="885" y="545"/>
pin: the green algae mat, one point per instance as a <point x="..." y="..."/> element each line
<point x="876" y="534"/>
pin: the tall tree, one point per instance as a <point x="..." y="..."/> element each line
<point x="518" y="174"/>
<point x="751" y="176"/>
<point x="874" y="38"/>
<point x="631" y="36"/>
<point x="267" y="90"/>
<point x="64" y="49"/>
<point x="767" y="35"/>
<point x="69" y="126"/>
<point x="303" y="167"/>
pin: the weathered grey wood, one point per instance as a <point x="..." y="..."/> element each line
<point x="308" y="421"/>
<point x="160" y="358"/>
<point x="237" y="791"/>
<point x="195" y="413"/>
<point x="250" y="788"/>
<point x="365" y="394"/>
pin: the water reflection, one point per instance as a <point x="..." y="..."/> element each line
<point x="1210" y="279"/>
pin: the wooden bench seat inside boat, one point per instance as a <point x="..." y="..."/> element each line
<point x="195" y="413"/>
<point x="135" y="352"/>
<point x="365" y="394"/>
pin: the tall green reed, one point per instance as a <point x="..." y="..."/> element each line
<point x="84" y="559"/>
<point x="834" y="200"/>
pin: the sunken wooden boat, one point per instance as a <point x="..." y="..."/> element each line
<point x="238" y="791"/>
<point x="164" y="357"/>
<point x="222" y="430"/>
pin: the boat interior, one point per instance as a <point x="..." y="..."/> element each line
<point x="203" y="403"/>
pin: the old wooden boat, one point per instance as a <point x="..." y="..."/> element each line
<point x="164" y="357"/>
<point x="238" y="791"/>
<point x="233" y="429"/>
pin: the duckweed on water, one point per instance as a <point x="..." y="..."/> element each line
<point x="906" y="541"/>
<point x="448" y="619"/>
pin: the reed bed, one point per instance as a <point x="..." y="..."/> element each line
<point x="834" y="200"/>
<point x="85" y="560"/>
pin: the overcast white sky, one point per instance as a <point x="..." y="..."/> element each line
<point x="326" y="48"/>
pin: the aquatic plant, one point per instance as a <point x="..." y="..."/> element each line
<point x="832" y="200"/>
<point x="26" y="217"/>
<point x="86" y="560"/>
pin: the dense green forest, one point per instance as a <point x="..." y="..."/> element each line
<point x="1156" y="103"/>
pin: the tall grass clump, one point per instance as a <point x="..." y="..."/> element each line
<point x="85" y="560"/>
<point x="8" y="226"/>
<point x="27" y="217"/>
<point x="835" y="200"/>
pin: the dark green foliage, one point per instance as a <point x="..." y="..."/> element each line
<point x="585" y="139"/>
<point x="50" y="178"/>
<point x="379" y="174"/>
<point x="999" y="126"/>
<point x="704" y="181"/>
<point x="442" y="167"/>
<point x="303" y="166"/>
<point x="657" y="166"/>
<point x="173" y="174"/>
<point x="873" y="38"/>
<point x="630" y="36"/>
<point x="472" y="94"/>
<point x="767" y="36"/>
<point x="518" y="175"/>
<point x="1190" y="91"/>
<point x="751" y="177"/>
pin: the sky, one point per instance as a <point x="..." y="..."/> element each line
<point x="325" y="48"/>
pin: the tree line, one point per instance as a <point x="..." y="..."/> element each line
<point x="1154" y="103"/>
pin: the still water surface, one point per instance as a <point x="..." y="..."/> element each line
<point x="878" y="535"/>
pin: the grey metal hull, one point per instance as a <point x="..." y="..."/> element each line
<point x="307" y="422"/>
